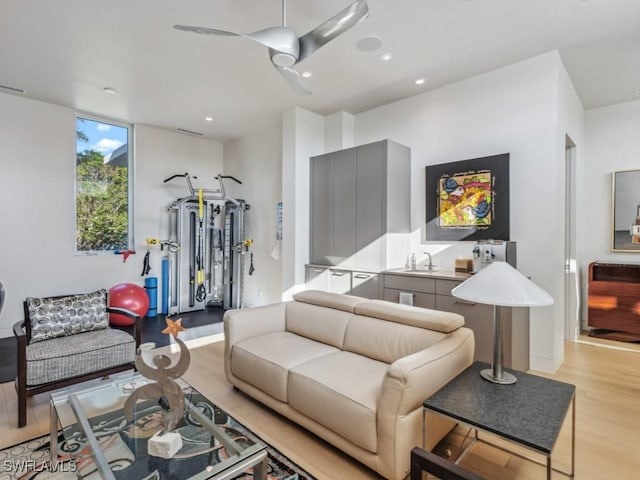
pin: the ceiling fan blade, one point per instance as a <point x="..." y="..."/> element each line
<point x="293" y="79"/>
<point x="279" y="39"/>
<point x="335" y="26"/>
<point x="206" y="31"/>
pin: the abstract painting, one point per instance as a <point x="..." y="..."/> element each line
<point x="468" y="199"/>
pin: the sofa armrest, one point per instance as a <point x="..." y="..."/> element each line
<point x="412" y="379"/>
<point x="18" y="329"/>
<point x="251" y="322"/>
<point x="137" y="319"/>
<point x="21" y="337"/>
<point x="409" y="381"/>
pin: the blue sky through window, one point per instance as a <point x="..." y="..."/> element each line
<point x="103" y="137"/>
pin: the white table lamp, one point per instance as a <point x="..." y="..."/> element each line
<point x="501" y="285"/>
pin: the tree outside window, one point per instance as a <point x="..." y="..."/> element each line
<point x="102" y="186"/>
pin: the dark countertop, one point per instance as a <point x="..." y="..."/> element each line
<point x="530" y="412"/>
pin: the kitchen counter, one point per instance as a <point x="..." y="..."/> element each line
<point x="423" y="272"/>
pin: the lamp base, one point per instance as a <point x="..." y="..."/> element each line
<point x="507" y="378"/>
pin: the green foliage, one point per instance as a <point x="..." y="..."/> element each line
<point x="81" y="136"/>
<point x="101" y="203"/>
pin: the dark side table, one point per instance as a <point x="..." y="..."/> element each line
<point x="528" y="413"/>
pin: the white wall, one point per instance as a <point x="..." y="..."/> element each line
<point x="37" y="174"/>
<point x="514" y="110"/>
<point x="303" y="136"/>
<point x="256" y="160"/>
<point x="612" y="144"/>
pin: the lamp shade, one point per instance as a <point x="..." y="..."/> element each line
<point x="502" y="285"/>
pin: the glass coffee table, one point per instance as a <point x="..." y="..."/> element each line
<point x="97" y="438"/>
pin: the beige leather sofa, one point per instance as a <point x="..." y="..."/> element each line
<point x="353" y="371"/>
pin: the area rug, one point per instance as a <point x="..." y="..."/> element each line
<point x="120" y="439"/>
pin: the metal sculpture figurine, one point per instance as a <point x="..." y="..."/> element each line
<point x="166" y="390"/>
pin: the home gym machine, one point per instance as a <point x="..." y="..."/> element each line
<point x="208" y="267"/>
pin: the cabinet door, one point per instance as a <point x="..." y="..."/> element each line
<point x="364" y="284"/>
<point x="321" y="209"/>
<point x="423" y="300"/>
<point x="344" y="207"/>
<point x="317" y="278"/>
<point x="479" y="318"/>
<point x="340" y="281"/>
<point x="370" y="196"/>
<point x="410" y="284"/>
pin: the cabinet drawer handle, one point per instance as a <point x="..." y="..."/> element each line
<point x="362" y="275"/>
<point x="462" y="302"/>
<point x="317" y="270"/>
<point x="337" y="274"/>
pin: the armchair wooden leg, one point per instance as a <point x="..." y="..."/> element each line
<point x="21" y="391"/>
<point x="22" y="410"/>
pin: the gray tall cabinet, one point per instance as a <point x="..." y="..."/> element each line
<point x="358" y="197"/>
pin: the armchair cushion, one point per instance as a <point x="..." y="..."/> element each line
<point x="67" y="357"/>
<point x="53" y="317"/>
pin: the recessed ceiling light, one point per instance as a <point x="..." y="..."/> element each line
<point x="385" y="57"/>
<point x="369" y="43"/>
<point x="307" y="74"/>
<point x="209" y="119"/>
<point x="420" y="81"/>
<point x="110" y="90"/>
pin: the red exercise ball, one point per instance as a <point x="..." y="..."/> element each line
<point x="131" y="297"/>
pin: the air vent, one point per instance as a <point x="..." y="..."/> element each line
<point x="7" y="88"/>
<point x="190" y="132"/>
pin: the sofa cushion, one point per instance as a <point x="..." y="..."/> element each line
<point x="58" y="317"/>
<point x="264" y="361"/>
<point x="336" y="301"/>
<point x="340" y="391"/>
<point x="445" y="322"/>
<point x="66" y="357"/>
<point x="386" y="341"/>
<point x="326" y="325"/>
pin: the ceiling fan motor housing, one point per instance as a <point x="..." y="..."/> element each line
<point x="283" y="59"/>
<point x="284" y="46"/>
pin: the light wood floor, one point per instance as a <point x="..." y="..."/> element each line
<point x="607" y="426"/>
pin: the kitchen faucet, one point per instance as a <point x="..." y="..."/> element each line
<point x="431" y="265"/>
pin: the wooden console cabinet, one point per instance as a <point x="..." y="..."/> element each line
<point x="614" y="300"/>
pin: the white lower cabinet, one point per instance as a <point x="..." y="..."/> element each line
<point x="365" y="284"/>
<point x="341" y="280"/>
<point x="317" y="278"/>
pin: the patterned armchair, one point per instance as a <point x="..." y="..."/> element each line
<point x="66" y="340"/>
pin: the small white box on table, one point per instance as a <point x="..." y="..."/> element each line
<point x="164" y="444"/>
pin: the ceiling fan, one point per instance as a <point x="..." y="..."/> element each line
<point x="286" y="49"/>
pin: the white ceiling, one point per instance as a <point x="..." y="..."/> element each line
<point x="67" y="51"/>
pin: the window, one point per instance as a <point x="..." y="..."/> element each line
<point x="103" y="186"/>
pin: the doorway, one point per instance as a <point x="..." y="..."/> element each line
<point x="571" y="271"/>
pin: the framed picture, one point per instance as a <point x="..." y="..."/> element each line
<point x="625" y="229"/>
<point x="468" y="199"/>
